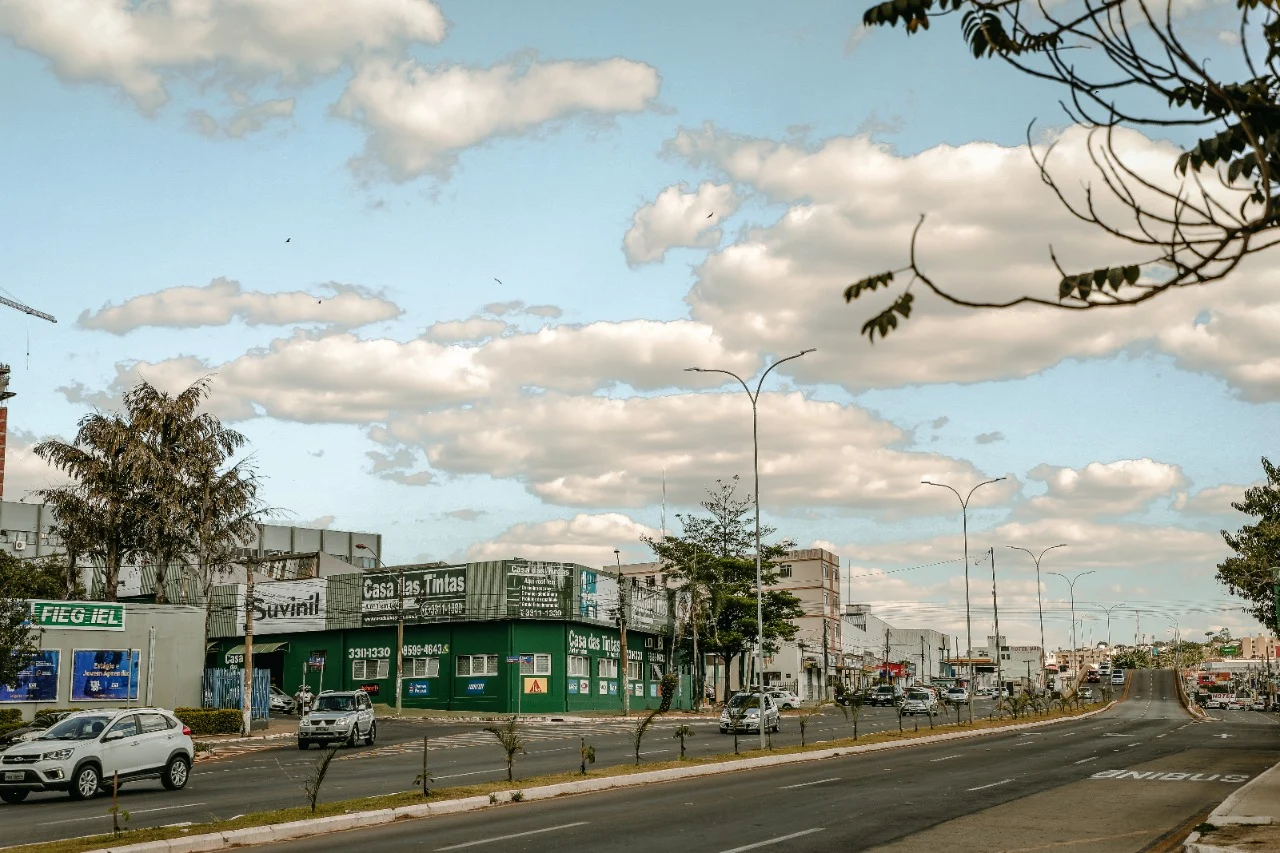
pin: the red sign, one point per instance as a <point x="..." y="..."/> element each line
<point x="371" y="689"/>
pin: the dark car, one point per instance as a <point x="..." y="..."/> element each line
<point x="886" y="694"/>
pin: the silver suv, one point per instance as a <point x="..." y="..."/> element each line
<point x="83" y="753"/>
<point x="344" y="717"/>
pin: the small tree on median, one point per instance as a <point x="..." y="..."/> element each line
<point x="667" y="690"/>
<point x="512" y="741"/>
<point x="682" y="731"/>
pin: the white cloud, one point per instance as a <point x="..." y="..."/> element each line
<point x="223" y="301"/>
<point x="1105" y="488"/>
<point x="419" y="118"/>
<point x="595" y="451"/>
<point x="678" y="218"/>
<point x="585" y="539"/>
<point x="468" y="330"/>
<point x="249" y="118"/>
<point x="144" y="48"/>
<point x="857" y="35"/>
<point x="24" y="472"/>
<point x="1215" y="500"/>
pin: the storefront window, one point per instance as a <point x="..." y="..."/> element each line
<point x="476" y="665"/>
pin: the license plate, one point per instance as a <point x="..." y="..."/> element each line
<point x="15" y="777"/>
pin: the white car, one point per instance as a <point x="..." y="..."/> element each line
<point x="919" y="702"/>
<point x="344" y="717"/>
<point x="1239" y="703"/>
<point x="784" y="699"/>
<point x="83" y="753"/>
<point x="742" y="712"/>
<point x="957" y="695"/>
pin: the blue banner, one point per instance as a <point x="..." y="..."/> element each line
<point x="37" y="681"/>
<point x="418" y="688"/>
<point x="104" y="674"/>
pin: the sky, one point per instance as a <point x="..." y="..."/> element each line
<point x="447" y="263"/>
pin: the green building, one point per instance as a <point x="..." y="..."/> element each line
<point x="496" y="636"/>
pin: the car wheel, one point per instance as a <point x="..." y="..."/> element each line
<point x="373" y="733"/>
<point x="86" y="783"/>
<point x="723" y="730"/>
<point x="303" y="744"/>
<point x="176" y="773"/>
<point x="12" y="797"/>
<point x="351" y="738"/>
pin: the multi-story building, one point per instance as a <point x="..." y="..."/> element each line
<point x="1264" y="646"/>
<point x="1018" y="664"/>
<point x="872" y="646"/>
<point x="813" y="576"/>
<point x="1073" y="662"/>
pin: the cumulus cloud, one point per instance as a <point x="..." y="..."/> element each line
<point x="24" y="472"/>
<point x="418" y="118"/>
<point x="1215" y="500"/>
<point x="595" y="451"/>
<point x="584" y="538"/>
<point x="1105" y="488"/>
<point x="249" y="118"/>
<point x="144" y="48"/>
<point x="678" y="218"/>
<point x="223" y="301"/>
<point x="396" y="466"/>
<point x="470" y="329"/>
<point x="988" y="437"/>
<point x="517" y="306"/>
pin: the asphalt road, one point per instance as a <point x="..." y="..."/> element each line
<point x="1134" y="779"/>
<point x="461" y="753"/>
<point x="1059" y="787"/>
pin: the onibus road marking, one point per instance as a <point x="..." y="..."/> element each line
<point x="769" y="841"/>
<point x="1161" y="776"/>
<point x="807" y="784"/>
<point x="512" y="835"/>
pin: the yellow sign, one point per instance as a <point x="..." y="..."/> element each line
<point x="535" y="685"/>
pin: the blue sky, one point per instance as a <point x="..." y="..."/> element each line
<point x="544" y="431"/>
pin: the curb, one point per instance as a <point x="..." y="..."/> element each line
<point x="356" y="820"/>
<point x="1221" y="816"/>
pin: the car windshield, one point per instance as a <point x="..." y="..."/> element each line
<point x="77" y="728"/>
<point x="744" y="699"/>
<point x="918" y="695"/>
<point x="884" y="689"/>
<point x="335" y="703"/>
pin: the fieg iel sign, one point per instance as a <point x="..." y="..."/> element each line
<point x="81" y="615"/>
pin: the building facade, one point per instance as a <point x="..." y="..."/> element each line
<point x="1017" y="666"/>
<point x="1071" y="662"/>
<point x="1264" y="646"/>
<point x="498" y="636"/>
<point x="874" y="649"/>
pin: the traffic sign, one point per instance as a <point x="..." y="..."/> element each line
<point x="513" y="658"/>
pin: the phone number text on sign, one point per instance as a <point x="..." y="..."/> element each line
<point x="369" y="653"/>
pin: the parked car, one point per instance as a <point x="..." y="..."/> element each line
<point x="339" y="716"/>
<point x="957" y="695"/>
<point x="784" y="699"/>
<point x="82" y="753"/>
<point x="31" y="730"/>
<point x="1217" y="700"/>
<point x="886" y="694"/>
<point x="1260" y="703"/>
<point x="1086" y="693"/>
<point x="919" y="702"/>
<point x="1239" y="703"/>
<point x="742" y="712"/>
<point x="281" y="701"/>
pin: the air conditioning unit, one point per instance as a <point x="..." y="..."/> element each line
<point x="20" y="545"/>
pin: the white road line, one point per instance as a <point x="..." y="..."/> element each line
<point x="807" y="784"/>
<point x="472" y="773"/>
<point x="1135" y="743"/>
<point x="945" y="758"/>
<point x="992" y="785"/>
<point x="1087" y="760"/>
<point x="769" y="841"/>
<point x="513" y="835"/>
<point x="131" y="811"/>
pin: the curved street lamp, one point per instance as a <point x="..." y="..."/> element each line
<point x="968" y="622"/>
<point x="1039" y="601"/>
<point x="1071" y="582"/>
<point x="755" y="467"/>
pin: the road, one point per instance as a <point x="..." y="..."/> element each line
<point x="1116" y="782"/>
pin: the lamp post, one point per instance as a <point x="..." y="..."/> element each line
<point x="1107" y="610"/>
<point x="968" y="623"/>
<point x="1071" y="583"/>
<point x="755" y="467"/>
<point x="1039" y="601"/>
<point x="399" y="626"/>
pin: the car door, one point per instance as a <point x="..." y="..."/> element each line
<point x="120" y="748"/>
<point x="158" y="738"/>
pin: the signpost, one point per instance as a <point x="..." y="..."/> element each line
<point x="78" y="615"/>
<point x="517" y="660"/>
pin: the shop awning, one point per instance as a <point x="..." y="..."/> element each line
<point x="261" y="648"/>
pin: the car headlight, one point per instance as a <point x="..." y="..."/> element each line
<point x="57" y="755"/>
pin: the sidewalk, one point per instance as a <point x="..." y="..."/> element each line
<point x="1247" y="820"/>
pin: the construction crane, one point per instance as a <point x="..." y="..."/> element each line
<point x="27" y="309"/>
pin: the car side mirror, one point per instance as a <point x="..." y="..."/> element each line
<point x="110" y="736"/>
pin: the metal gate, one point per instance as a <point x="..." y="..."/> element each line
<point x="224" y="687"/>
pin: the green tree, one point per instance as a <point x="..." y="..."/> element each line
<point x="17" y="640"/>
<point x="1127" y="65"/>
<point x="713" y="560"/>
<point x="1250" y="574"/>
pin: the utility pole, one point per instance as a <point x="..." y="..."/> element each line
<point x="886" y="653"/>
<point x="920" y="676"/>
<point x="995" y="606"/>
<point x="825" y="675"/>
<point x="624" y="683"/>
<point x="246" y="690"/>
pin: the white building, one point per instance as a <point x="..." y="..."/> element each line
<point x="870" y="643"/>
<point x="1018" y="664"/>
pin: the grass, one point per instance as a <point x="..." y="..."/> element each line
<point x="408" y="798"/>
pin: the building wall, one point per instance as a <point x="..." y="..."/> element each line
<point x="865" y="637"/>
<point x="172" y="663"/>
<point x="1076" y="661"/>
<point x="1018" y="664"/>
<point x="1260" y="646"/>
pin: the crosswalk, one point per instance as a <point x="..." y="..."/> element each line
<point x="532" y="732"/>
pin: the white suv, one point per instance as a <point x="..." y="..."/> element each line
<point x="339" y="717"/>
<point x="83" y="753"/>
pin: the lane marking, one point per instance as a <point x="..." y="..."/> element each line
<point x="512" y="835"/>
<point x="945" y="758"/>
<point x="1087" y="760"/>
<point x="472" y="773"/>
<point x="992" y="785"/>
<point x="769" y="841"/>
<point x="807" y="784"/>
<point x="131" y="811"/>
<point x="1136" y="743"/>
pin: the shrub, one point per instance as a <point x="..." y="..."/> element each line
<point x="10" y="719"/>
<point x="44" y="713"/>
<point x="210" y="721"/>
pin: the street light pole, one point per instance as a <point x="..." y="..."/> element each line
<point x="968" y="622"/>
<point x="1039" y="601"/>
<point x="755" y="466"/>
<point x="399" y="626"/>
<point x="1107" y="610"/>
<point x="1071" y="583"/>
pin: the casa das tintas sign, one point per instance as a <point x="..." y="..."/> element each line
<point x="539" y="590"/>
<point x="78" y="615"/>
<point x="428" y="595"/>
